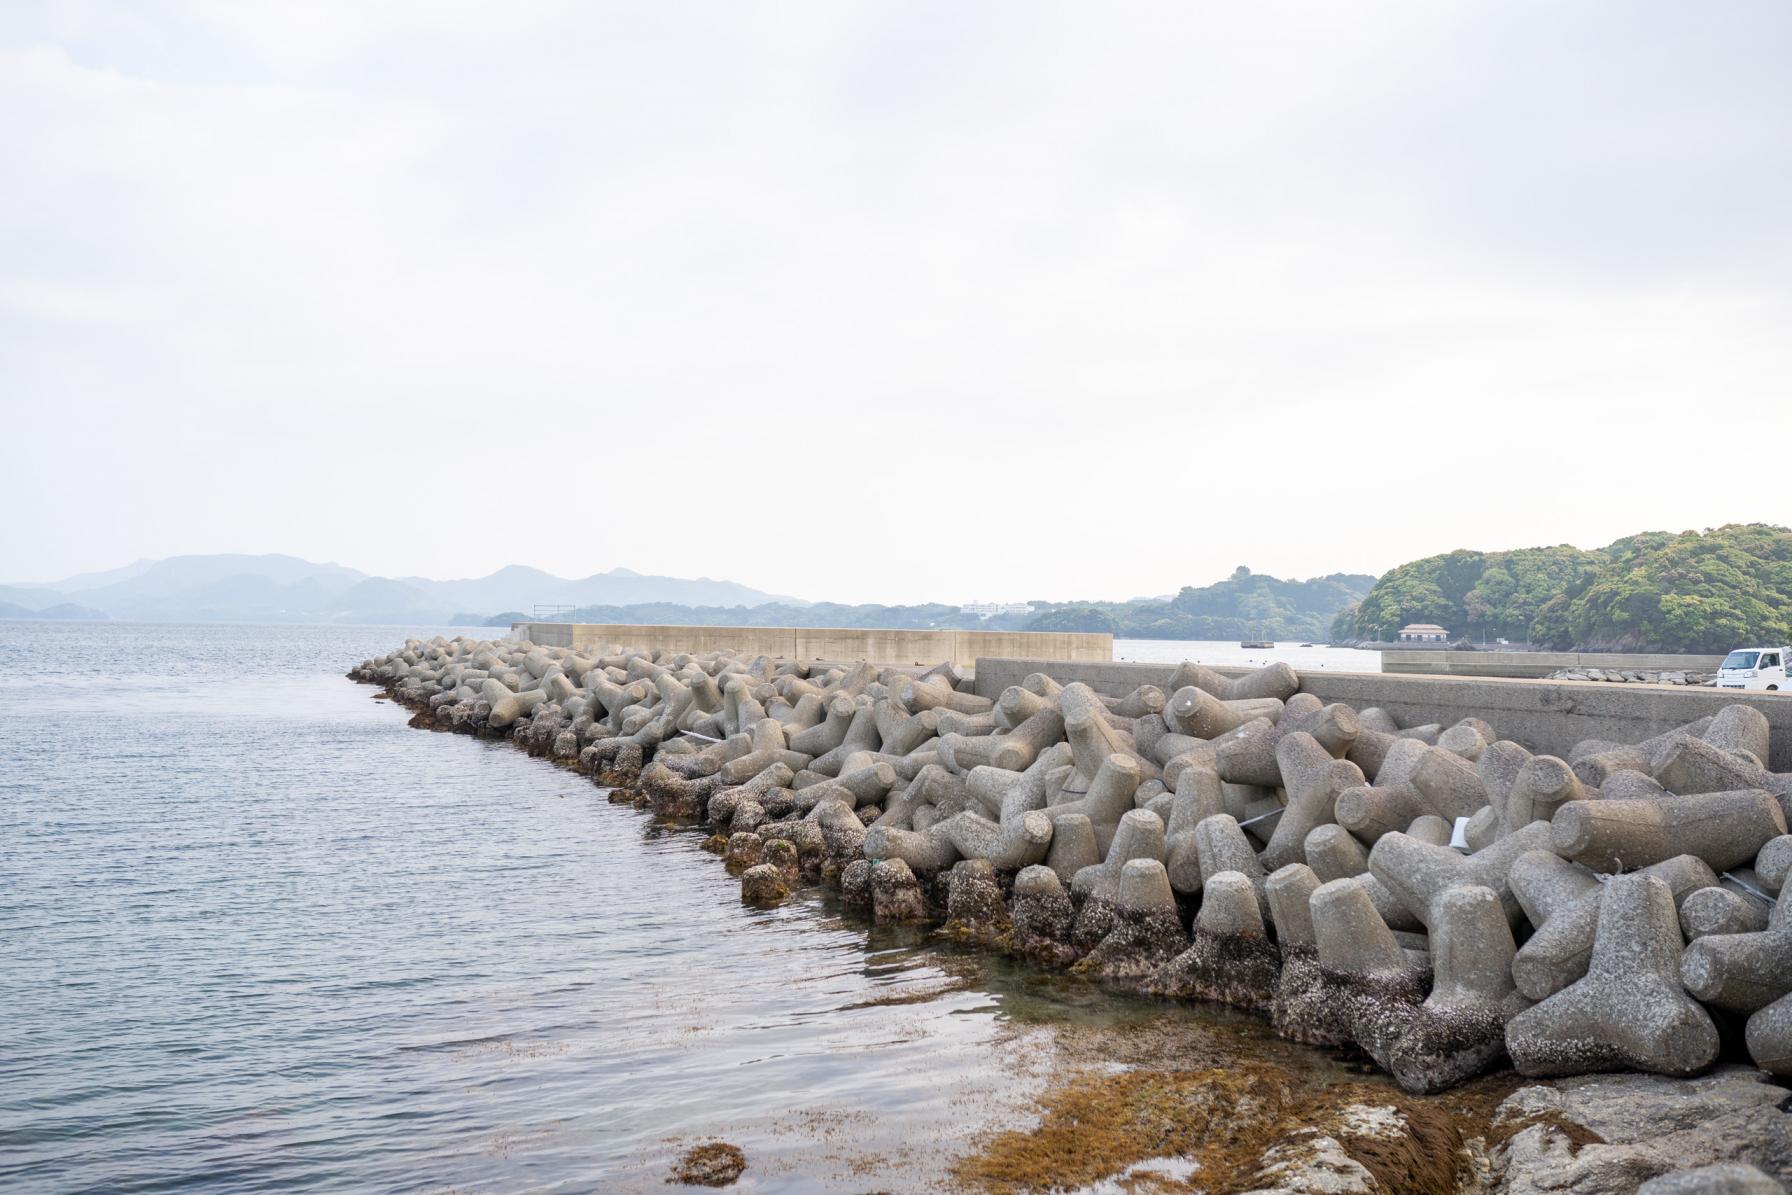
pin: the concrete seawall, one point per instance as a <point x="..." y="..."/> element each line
<point x="827" y="643"/>
<point x="1549" y="717"/>
<point x="1536" y="663"/>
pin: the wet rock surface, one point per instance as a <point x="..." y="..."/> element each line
<point x="1607" y="1134"/>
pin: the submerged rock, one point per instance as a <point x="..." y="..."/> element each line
<point x="712" y="1164"/>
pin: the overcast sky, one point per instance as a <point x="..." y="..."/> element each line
<point x="889" y="302"/>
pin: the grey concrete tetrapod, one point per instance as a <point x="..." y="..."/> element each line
<point x="1019" y="842"/>
<point x="1417" y="874"/>
<point x="1629" y="1012"/>
<point x="1561" y="947"/>
<point x="1042" y="914"/>
<point x="1298" y="1009"/>
<point x="1198" y="796"/>
<point x="1593" y="760"/>
<point x="1723" y="909"/>
<point x="1393" y="802"/>
<point x="926" y="851"/>
<point x="1544" y="884"/>
<point x="1313" y="779"/>
<point x="1109" y="798"/>
<point x="1774" y="863"/>
<point x="1450" y="784"/>
<point x="1628" y="785"/>
<point x="1146" y="699"/>
<point x="1468" y="738"/>
<point x="1739" y="728"/>
<point x="1743" y="972"/>
<point x="1194" y="712"/>
<point x="1334" y="853"/>
<point x="1367" y="983"/>
<point x="1013" y="751"/>
<point x="1146" y="930"/>
<point x="1073" y="846"/>
<point x="1769" y="1038"/>
<point x="1272" y="680"/>
<point x="1725" y="829"/>
<point x="1253" y="759"/>
<point x="1290" y="893"/>
<point x="1096" y="889"/>
<point x="1430" y="828"/>
<point x="1231" y="960"/>
<point x="1222" y="846"/>
<point x="1459" y="1031"/>
<point x="1278" y="680"/>
<point x="1689" y="766"/>
<point x="1543" y="785"/>
<point x="1258" y="810"/>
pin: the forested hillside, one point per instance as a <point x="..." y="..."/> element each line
<point x="1703" y="592"/>
<point x="1245" y="603"/>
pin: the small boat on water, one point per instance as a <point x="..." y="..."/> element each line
<point x="1256" y="644"/>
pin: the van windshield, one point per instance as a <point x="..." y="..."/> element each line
<point x="1741" y="659"/>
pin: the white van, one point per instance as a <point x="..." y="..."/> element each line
<point x="1754" y="668"/>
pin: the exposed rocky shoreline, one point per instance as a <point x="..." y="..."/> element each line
<point x="1233" y="841"/>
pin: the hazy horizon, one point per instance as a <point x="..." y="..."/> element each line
<point x="889" y="303"/>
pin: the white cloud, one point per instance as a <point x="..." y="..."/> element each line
<point x="884" y="302"/>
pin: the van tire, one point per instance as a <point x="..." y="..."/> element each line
<point x="1773" y="688"/>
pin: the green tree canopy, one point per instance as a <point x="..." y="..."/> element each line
<point x="1693" y="592"/>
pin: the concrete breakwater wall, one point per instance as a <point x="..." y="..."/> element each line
<point x="1549" y="717"/>
<point x="1534" y="664"/>
<point x="924" y="648"/>
<point x="1235" y="839"/>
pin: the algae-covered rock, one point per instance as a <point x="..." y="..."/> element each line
<point x="975" y="910"/>
<point x="855" y="883"/>
<point x="764" y="886"/>
<point x="896" y="894"/>
<point x="745" y="850"/>
<point x="712" y="1164"/>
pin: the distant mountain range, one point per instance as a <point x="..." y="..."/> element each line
<point x="241" y="588"/>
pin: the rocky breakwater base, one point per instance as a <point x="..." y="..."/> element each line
<point x="1438" y="899"/>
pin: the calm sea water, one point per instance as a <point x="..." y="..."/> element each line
<point x="1230" y="655"/>
<point x="260" y="935"/>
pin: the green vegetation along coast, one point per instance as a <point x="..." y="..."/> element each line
<point x="1702" y="592"/>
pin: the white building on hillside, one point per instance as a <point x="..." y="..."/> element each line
<point x="991" y="609"/>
